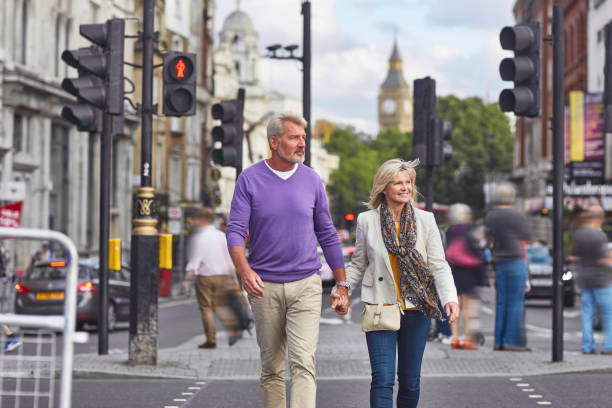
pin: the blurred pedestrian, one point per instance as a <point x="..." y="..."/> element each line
<point x="47" y="253"/>
<point x="465" y="259"/>
<point x="283" y="205"/>
<point x="399" y="259"/>
<point x="210" y="263"/>
<point x="508" y="230"/>
<point x="593" y="265"/>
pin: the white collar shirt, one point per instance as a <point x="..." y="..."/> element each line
<point x="208" y="253"/>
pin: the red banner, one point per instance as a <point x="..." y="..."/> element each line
<point x="10" y="215"/>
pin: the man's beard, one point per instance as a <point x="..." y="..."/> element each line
<point x="289" y="158"/>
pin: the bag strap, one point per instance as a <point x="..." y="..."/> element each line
<point x="378" y="313"/>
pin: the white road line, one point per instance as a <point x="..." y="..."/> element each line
<point x="544" y="403"/>
<point x="186" y="393"/>
<point x="201" y="382"/>
<point x="171" y="406"/>
<point x="522" y="385"/>
<point x="179" y="400"/>
<point x="535" y="396"/>
<point x="516" y="379"/>
<point x="194" y="388"/>
<point x="528" y="390"/>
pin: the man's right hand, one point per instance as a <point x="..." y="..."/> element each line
<point x="251" y="282"/>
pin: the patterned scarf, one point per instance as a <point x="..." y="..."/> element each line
<point x="416" y="279"/>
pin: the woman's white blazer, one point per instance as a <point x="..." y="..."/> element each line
<point x="370" y="263"/>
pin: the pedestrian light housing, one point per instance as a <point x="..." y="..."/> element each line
<point x="179" y="83"/>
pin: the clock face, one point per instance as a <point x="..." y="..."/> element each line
<point x="389" y="106"/>
<point x="408" y="107"/>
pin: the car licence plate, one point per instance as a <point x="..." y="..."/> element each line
<point x="50" y="295"/>
<point x="541" y="282"/>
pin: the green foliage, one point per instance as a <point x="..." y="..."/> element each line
<point x="482" y="143"/>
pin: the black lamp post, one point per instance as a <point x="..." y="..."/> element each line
<point x="305" y="59"/>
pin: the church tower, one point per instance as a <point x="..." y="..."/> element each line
<point x="394" y="99"/>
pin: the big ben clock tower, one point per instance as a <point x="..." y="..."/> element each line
<point x="394" y="99"/>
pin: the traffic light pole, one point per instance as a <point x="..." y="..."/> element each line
<point x="558" y="147"/>
<point x="144" y="278"/>
<point x="306" y="78"/>
<point x="105" y="177"/>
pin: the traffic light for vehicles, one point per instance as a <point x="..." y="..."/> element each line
<point x="99" y="87"/>
<point x="524" y="69"/>
<point x="350" y="219"/>
<point x="424" y="114"/>
<point x="179" y="83"/>
<point x="227" y="150"/>
<point x="441" y="132"/>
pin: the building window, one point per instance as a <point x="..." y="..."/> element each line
<point x="58" y="27"/>
<point x="67" y="42"/>
<point x="24" y="32"/>
<point x="18" y="133"/>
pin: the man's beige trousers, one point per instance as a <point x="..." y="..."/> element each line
<point x="287" y="318"/>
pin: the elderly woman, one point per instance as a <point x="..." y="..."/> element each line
<point x="399" y="258"/>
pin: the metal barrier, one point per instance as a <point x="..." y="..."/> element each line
<point x="64" y="323"/>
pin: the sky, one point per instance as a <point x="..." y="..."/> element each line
<point x="456" y="42"/>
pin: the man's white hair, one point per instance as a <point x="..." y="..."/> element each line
<point x="275" y="125"/>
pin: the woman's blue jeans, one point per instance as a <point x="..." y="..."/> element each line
<point x="410" y="342"/>
<point x="510" y="283"/>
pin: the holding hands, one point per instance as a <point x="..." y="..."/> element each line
<point x="340" y="300"/>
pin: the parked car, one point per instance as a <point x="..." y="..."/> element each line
<point x="540" y="266"/>
<point x="42" y="291"/>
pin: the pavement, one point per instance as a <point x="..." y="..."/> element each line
<point x="341" y="353"/>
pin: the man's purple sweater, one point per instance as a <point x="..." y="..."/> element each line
<point x="285" y="218"/>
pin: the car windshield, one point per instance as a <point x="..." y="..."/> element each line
<point x="36" y="272"/>
<point x="538" y="255"/>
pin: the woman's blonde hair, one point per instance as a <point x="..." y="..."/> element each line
<point x="385" y="174"/>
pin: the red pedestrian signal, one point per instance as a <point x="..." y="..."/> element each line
<point x="349" y="217"/>
<point x="180" y="68"/>
<point x="179" y="83"/>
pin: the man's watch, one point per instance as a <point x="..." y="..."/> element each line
<point x="345" y="284"/>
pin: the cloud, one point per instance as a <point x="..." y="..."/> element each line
<point x="472" y="14"/>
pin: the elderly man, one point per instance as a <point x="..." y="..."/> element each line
<point x="283" y="205"/>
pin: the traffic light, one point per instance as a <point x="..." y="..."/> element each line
<point x="99" y="87"/>
<point x="179" y="83"/>
<point x="349" y="218"/>
<point x="524" y="69"/>
<point x="441" y="132"/>
<point x="607" y="95"/>
<point x="424" y="113"/>
<point x="228" y="136"/>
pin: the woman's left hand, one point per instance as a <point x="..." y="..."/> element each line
<point x="452" y="311"/>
